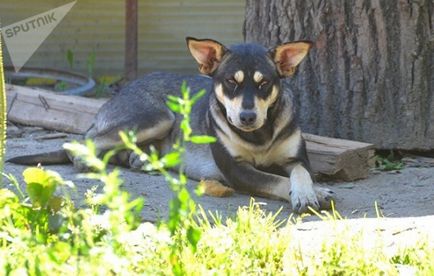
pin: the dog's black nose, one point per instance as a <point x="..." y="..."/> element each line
<point x="247" y="117"/>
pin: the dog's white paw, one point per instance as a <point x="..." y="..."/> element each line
<point x="302" y="193"/>
<point x="303" y="198"/>
<point x="325" y="197"/>
<point x="135" y="162"/>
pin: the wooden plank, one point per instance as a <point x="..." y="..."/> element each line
<point x="331" y="158"/>
<point x="50" y="110"/>
<point x="339" y="159"/>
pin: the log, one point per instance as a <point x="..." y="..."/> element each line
<point x="370" y="74"/>
<point x="331" y="158"/>
<point x="37" y="107"/>
<point x="339" y="159"/>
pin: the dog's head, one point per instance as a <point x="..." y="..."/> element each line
<point x="247" y="76"/>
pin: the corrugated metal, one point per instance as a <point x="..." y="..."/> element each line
<point x="98" y="26"/>
<point x="165" y="24"/>
<point x="90" y="26"/>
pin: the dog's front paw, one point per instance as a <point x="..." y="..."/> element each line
<point x="302" y="199"/>
<point x="325" y="197"/>
<point x="135" y="162"/>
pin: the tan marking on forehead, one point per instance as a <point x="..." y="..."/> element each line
<point x="257" y="77"/>
<point x="239" y="76"/>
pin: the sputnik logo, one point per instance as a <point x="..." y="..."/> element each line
<point x="23" y="38"/>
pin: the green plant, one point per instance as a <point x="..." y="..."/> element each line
<point x="45" y="220"/>
<point x="63" y="85"/>
<point x="389" y="162"/>
<point x="181" y="207"/>
<point x="70" y="58"/>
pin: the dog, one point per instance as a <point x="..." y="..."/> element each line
<point x="259" y="148"/>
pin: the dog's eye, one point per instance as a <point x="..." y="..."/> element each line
<point x="263" y="83"/>
<point x="231" y="81"/>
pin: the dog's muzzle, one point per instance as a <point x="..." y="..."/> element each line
<point x="248" y="118"/>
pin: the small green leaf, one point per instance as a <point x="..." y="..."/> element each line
<point x="174" y="106"/>
<point x="185" y="90"/>
<point x="173" y="98"/>
<point x="203" y="139"/>
<point x="171" y="159"/>
<point x="41" y="185"/>
<point x="70" y="58"/>
<point x="183" y="179"/>
<point x="108" y="156"/>
<point x="126" y="139"/>
<point x="185" y="127"/>
<point x="193" y="236"/>
<point x="184" y="196"/>
<point x="197" y="96"/>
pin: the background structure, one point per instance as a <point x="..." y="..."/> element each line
<point x="98" y="26"/>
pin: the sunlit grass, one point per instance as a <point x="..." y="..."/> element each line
<point x="252" y="242"/>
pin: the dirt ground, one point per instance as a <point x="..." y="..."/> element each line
<point x="408" y="193"/>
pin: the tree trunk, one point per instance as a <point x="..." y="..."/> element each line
<point x="370" y="76"/>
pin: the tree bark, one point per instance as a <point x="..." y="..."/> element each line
<point x="370" y="76"/>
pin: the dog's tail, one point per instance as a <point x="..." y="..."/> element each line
<point x="47" y="158"/>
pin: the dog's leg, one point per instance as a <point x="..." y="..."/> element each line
<point x="102" y="142"/>
<point x="302" y="191"/>
<point x="214" y="188"/>
<point x="298" y="188"/>
<point x="108" y="140"/>
<point x="244" y="177"/>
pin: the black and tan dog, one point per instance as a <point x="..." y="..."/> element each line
<point x="260" y="149"/>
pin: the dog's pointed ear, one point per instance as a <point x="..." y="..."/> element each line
<point x="288" y="55"/>
<point x="207" y="52"/>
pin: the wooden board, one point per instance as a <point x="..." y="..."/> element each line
<point x="49" y="110"/>
<point x="339" y="159"/>
<point x="331" y="158"/>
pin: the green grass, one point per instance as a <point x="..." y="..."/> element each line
<point x="250" y="243"/>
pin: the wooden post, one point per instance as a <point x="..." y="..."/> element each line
<point x="131" y="28"/>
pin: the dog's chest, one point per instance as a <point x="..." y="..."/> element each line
<point x="274" y="152"/>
